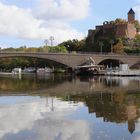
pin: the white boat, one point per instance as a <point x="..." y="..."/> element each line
<point x="44" y="70"/>
<point x="16" y="71"/>
<point x="122" y="70"/>
<point x="29" y="70"/>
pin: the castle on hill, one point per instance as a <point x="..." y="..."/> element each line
<point x="125" y="29"/>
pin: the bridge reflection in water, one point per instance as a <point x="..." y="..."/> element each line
<point x="56" y="84"/>
<point x="58" y="107"/>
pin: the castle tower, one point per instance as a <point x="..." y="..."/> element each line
<point x="131" y="15"/>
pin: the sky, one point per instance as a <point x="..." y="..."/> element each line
<point x="30" y="22"/>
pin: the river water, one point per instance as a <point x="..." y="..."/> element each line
<point x="65" y="107"/>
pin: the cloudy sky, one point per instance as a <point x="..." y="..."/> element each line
<point x="30" y="22"/>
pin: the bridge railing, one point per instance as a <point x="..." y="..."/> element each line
<point x="74" y="53"/>
<point x="108" y="53"/>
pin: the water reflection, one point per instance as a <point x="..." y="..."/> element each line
<point x="66" y="84"/>
<point x="70" y="108"/>
<point x="28" y="82"/>
<point x="36" y="116"/>
<point x="62" y="118"/>
<point x="118" y="108"/>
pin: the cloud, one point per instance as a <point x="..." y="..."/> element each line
<point x="137" y="10"/>
<point x="19" y="22"/>
<point x="49" y="18"/>
<point x="62" y="9"/>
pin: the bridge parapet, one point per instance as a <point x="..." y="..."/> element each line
<point x="72" y="60"/>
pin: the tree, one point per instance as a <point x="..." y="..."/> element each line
<point x="111" y="43"/>
<point x="101" y="46"/>
<point x="137" y="25"/>
<point x="74" y="45"/>
<point x="118" y="48"/>
<point x="137" y="40"/>
<point x="120" y="21"/>
<point x="56" y="49"/>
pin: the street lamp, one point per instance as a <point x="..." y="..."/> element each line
<point x="101" y="47"/>
<point x="111" y="43"/>
<point x="46" y="42"/>
<point x="46" y="45"/>
<point x="51" y="38"/>
<point x="68" y="48"/>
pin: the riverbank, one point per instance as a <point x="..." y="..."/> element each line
<point x="6" y="73"/>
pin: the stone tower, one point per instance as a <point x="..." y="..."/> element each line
<point x="131" y="16"/>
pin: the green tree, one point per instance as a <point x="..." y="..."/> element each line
<point x="137" y="25"/>
<point x="74" y="45"/>
<point x="57" y="49"/>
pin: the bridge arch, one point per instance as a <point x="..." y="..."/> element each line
<point x="136" y="65"/>
<point x="50" y="60"/>
<point x="111" y="62"/>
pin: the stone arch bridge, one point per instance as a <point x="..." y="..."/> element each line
<point x="72" y="60"/>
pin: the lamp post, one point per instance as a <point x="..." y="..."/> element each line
<point x="101" y="47"/>
<point x="68" y="48"/>
<point x="46" y="42"/>
<point x="51" y="38"/>
<point x="46" y="49"/>
<point x="111" y="43"/>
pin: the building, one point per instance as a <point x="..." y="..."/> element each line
<point x="121" y="29"/>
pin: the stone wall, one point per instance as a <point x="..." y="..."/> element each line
<point x="126" y="30"/>
<point x="131" y="30"/>
<point x="121" y="30"/>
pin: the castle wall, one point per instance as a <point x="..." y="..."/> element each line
<point x="121" y="30"/>
<point x="90" y="38"/>
<point x="131" y="30"/>
<point x="126" y="30"/>
<point x="90" y="32"/>
<point x="108" y="26"/>
<point x="99" y="27"/>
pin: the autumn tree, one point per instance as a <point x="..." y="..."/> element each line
<point x="119" y="21"/>
<point x="118" y="48"/>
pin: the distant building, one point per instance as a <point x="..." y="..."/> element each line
<point x="123" y="29"/>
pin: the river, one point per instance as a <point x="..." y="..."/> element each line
<point x="66" y="107"/>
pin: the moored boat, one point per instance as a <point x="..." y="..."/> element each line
<point x="122" y="70"/>
<point x="16" y="71"/>
<point x="44" y="70"/>
<point x="90" y="70"/>
<point x="29" y="70"/>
